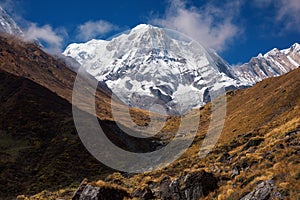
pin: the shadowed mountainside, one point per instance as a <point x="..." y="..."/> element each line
<point x="257" y="154"/>
<point x="39" y="145"/>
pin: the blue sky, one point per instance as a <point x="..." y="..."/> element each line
<point x="237" y="29"/>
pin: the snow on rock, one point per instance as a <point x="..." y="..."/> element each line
<point x="149" y="65"/>
<point x="8" y="25"/>
<point x="273" y="63"/>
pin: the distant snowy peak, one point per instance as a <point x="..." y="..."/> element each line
<point x="8" y="25"/>
<point x="148" y="64"/>
<point x="295" y="48"/>
<point x="273" y="63"/>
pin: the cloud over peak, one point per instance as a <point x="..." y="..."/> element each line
<point x="93" y="29"/>
<point x="209" y="25"/>
<point x="46" y="34"/>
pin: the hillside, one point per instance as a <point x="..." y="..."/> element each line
<point x="40" y="149"/>
<point x="39" y="145"/>
<point x="51" y="143"/>
<point x="257" y="152"/>
<point x="28" y="60"/>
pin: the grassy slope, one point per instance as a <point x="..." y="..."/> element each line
<point x="263" y="113"/>
<point x="29" y="61"/>
<point x="255" y="136"/>
<point x="39" y="147"/>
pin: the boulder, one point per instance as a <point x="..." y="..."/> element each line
<point x="143" y="194"/>
<point x="261" y="192"/>
<point x="105" y="192"/>
<point x="191" y="186"/>
<point x="235" y="171"/>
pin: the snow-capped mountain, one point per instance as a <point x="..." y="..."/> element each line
<point x="148" y="65"/>
<point x="8" y="25"/>
<point x="274" y="63"/>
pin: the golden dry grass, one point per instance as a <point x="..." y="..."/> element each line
<point x="254" y="134"/>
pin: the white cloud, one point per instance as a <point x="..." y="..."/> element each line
<point x="286" y="12"/>
<point x="289" y="12"/>
<point x="52" y="39"/>
<point x="46" y="34"/>
<point x="211" y="26"/>
<point x="92" y="29"/>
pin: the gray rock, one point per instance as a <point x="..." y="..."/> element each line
<point x="191" y="186"/>
<point x="253" y="142"/>
<point x="89" y="192"/>
<point x="78" y="192"/>
<point x="261" y="192"/>
<point x="224" y="158"/>
<point x="143" y="194"/>
<point x="128" y="85"/>
<point x="235" y="171"/>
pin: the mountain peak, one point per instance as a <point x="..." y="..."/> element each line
<point x="260" y="55"/>
<point x="273" y="63"/>
<point x="143" y="27"/>
<point x="8" y="25"/>
<point x="149" y="64"/>
<point x="295" y="47"/>
<point x="274" y="51"/>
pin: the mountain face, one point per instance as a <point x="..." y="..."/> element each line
<point x="274" y="63"/>
<point x="150" y="65"/>
<point x="8" y="25"/>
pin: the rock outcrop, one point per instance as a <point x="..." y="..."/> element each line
<point x="98" y="192"/>
<point x="263" y="191"/>
<point x="190" y="186"/>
